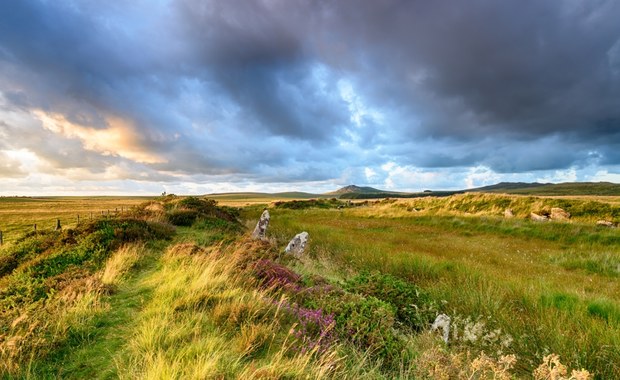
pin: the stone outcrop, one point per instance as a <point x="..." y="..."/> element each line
<point x="260" y="231"/>
<point x="605" y="223"/>
<point x="559" y="214"/>
<point x="508" y="213"/>
<point x="298" y="244"/>
<point x="442" y="322"/>
<point x="538" y="218"/>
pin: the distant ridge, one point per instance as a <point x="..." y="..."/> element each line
<point x="510" y="186"/>
<point x="366" y="192"/>
<point x="557" y="189"/>
<point x="356" y="189"/>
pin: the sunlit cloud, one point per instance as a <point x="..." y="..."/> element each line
<point x="119" y="137"/>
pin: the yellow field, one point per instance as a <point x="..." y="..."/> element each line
<point x="19" y="215"/>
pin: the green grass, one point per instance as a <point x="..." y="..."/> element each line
<point x="131" y="304"/>
<point x="134" y="297"/>
<point x="521" y="276"/>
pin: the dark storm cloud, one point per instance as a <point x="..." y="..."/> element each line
<point x="255" y="88"/>
<point x="484" y="67"/>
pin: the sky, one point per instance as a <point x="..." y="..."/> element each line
<point x="193" y="97"/>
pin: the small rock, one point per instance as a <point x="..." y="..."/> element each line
<point x="605" y="223"/>
<point x="298" y="244"/>
<point x="538" y="218"/>
<point x="508" y="213"/>
<point x="261" y="227"/>
<point x="559" y="214"/>
<point x="442" y="322"/>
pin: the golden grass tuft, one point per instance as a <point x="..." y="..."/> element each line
<point x="121" y="262"/>
<point x="206" y="320"/>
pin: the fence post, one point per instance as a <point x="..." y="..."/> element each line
<point x="35" y="227"/>
<point x="1" y="241"/>
<point x="78" y="215"/>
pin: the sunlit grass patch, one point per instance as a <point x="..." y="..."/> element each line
<point x="206" y="319"/>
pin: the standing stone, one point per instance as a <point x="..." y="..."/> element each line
<point x="298" y="244"/>
<point x="559" y="214"/>
<point x="260" y="231"/>
<point x="508" y="213"/>
<point x="442" y="322"/>
<point x="538" y="218"/>
<point x="58" y="227"/>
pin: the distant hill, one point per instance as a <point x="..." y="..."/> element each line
<point x="567" y="188"/>
<point x="364" y="192"/>
<point x="356" y="190"/>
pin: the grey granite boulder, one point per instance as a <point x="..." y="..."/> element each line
<point x="442" y="322"/>
<point x="508" y="213"/>
<point x="298" y="244"/>
<point x="260" y="231"/>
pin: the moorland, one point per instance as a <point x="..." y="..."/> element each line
<point x="175" y="287"/>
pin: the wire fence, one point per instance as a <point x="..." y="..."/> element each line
<point x="57" y="223"/>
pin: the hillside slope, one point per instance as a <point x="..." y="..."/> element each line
<point x="559" y="189"/>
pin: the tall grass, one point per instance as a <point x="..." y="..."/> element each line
<point x="205" y="321"/>
<point x="508" y="273"/>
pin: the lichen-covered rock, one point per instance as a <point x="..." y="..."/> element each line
<point x="605" y="223"/>
<point x="442" y="322"/>
<point x="508" y="213"/>
<point x="260" y="231"/>
<point x="298" y="244"/>
<point x="559" y="214"/>
<point x="538" y="218"/>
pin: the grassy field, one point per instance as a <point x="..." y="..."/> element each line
<point x="550" y="287"/>
<point x="175" y="288"/>
<point x="19" y="215"/>
<point x="248" y="199"/>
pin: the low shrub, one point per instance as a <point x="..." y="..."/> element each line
<point x="313" y="328"/>
<point x="271" y="274"/>
<point x="413" y="306"/>
<point x="182" y="217"/>
<point x="25" y="248"/>
<point x="368" y="323"/>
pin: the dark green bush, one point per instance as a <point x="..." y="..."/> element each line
<point x="182" y="217"/>
<point x="368" y="323"/>
<point x="191" y="209"/>
<point x="25" y="248"/>
<point x="413" y="306"/>
<point x="197" y="204"/>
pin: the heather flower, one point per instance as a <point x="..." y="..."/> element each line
<point x="313" y="330"/>
<point x="272" y="274"/>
